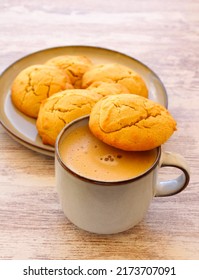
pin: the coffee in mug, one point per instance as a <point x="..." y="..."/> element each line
<point x="89" y="157"/>
<point x="105" y="190"/>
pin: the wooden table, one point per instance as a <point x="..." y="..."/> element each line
<point x="163" y="35"/>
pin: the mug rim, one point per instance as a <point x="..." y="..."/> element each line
<point x="98" y="182"/>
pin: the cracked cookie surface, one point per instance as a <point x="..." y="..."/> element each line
<point x="117" y="73"/>
<point x="62" y="108"/>
<point x="131" y="122"/>
<point x="105" y="88"/>
<point x="73" y="66"/>
<point x="36" y="83"/>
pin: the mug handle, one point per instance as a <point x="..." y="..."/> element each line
<point x="174" y="186"/>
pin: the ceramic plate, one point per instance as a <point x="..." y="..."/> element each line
<point x="23" y="129"/>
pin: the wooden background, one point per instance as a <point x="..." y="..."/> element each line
<point x="163" y="35"/>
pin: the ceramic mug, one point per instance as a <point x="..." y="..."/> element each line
<point x="112" y="207"/>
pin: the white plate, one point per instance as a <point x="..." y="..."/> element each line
<point x="23" y="129"/>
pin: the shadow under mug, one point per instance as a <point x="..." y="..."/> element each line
<point x="112" y="207"/>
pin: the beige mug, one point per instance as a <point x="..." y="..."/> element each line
<point x="113" y="207"/>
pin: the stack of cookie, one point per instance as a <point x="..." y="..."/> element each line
<point x="116" y="97"/>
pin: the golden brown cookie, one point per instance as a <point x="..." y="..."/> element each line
<point x="60" y="109"/>
<point x="74" y="66"/>
<point x="117" y="73"/>
<point x="34" y="84"/>
<point x="131" y="122"/>
<point x="104" y="88"/>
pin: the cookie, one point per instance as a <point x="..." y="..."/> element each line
<point x="73" y="66"/>
<point x="36" y="83"/>
<point x="117" y="73"/>
<point x="104" y="88"/>
<point x="60" y="109"/>
<point x="131" y="122"/>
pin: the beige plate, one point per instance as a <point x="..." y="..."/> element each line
<point x="23" y="129"/>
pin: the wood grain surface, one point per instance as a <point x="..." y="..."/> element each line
<point x="162" y="34"/>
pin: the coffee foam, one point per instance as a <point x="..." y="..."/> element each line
<point x="87" y="156"/>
